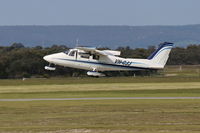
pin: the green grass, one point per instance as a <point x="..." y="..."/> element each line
<point x="182" y="71"/>
<point x="108" y="116"/>
<point x="93" y="94"/>
<point x="90" y="80"/>
<point x="99" y="87"/>
<point x="101" y="90"/>
<point x="101" y="116"/>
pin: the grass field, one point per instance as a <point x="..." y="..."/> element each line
<point x="100" y="87"/>
<point x="101" y="116"/>
<point x="102" y="90"/>
<point x="182" y="70"/>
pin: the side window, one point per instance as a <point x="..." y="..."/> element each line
<point x="84" y="55"/>
<point x="96" y="57"/>
<point x="72" y="53"/>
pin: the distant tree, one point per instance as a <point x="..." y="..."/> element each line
<point x="38" y="47"/>
<point x="17" y="61"/>
<point x="17" y="45"/>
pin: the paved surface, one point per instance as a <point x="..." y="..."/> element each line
<point x="99" y="98"/>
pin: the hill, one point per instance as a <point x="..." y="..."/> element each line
<point x="102" y="36"/>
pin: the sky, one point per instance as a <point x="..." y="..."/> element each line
<point x="99" y="12"/>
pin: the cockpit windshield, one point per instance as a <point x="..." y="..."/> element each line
<point x="66" y="52"/>
<point x="72" y="53"/>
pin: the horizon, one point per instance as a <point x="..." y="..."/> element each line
<point x="104" y="25"/>
<point x="104" y="12"/>
<point x="110" y="36"/>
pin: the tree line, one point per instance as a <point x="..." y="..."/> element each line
<point x="17" y="61"/>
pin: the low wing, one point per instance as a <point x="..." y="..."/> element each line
<point x="93" y="50"/>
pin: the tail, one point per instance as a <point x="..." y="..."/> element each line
<point x="160" y="56"/>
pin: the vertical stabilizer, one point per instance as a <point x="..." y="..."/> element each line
<point x="160" y="56"/>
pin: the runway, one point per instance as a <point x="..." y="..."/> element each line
<point x="99" y="98"/>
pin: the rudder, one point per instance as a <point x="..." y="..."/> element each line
<point x="161" y="55"/>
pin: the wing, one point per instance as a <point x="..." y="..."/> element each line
<point x="93" y="50"/>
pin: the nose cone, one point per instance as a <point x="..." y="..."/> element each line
<point x="52" y="58"/>
<point x="47" y="58"/>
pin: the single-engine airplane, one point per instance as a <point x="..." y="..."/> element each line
<point x="97" y="61"/>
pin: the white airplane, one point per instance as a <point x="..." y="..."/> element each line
<point x="96" y="61"/>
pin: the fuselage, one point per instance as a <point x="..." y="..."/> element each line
<point x="81" y="60"/>
<point x="96" y="61"/>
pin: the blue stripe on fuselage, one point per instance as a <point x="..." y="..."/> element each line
<point x="104" y="64"/>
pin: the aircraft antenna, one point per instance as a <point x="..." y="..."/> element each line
<point x="99" y="46"/>
<point x="77" y="42"/>
<point x="43" y="44"/>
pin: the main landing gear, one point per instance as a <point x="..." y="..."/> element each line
<point x="95" y="74"/>
<point x="50" y="67"/>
